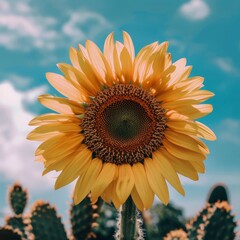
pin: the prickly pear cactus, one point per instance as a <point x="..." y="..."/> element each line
<point x="179" y="234"/>
<point x="214" y="222"/>
<point x="217" y="193"/>
<point x="193" y="225"/>
<point x="8" y="233"/>
<point x="18" y="198"/>
<point x="83" y="219"/>
<point x="17" y="223"/>
<point x="44" y="223"/>
<point x="220" y="223"/>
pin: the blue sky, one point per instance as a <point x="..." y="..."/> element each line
<point x="35" y="35"/>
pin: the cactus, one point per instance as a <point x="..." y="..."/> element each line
<point x="214" y="222"/>
<point x="83" y="219"/>
<point x="193" y="225"/>
<point x="8" y="233"/>
<point x="218" y="192"/>
<point x="179" y="234"/>
<point x="18" y="198"/>
<point x="17" y="223"/>
<point x="44" y="223"/>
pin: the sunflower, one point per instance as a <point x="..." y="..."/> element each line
<point x="127" y="124"/>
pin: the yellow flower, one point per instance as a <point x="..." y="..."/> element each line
<point x="127" y="124"/>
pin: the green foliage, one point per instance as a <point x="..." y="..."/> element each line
<point x="83" y="219"/>
<point x="163" y="219"/>
<point x="8" y="233"/>
<point x="107" y="223"/>
<point x="45" y="224"/>
<point x="18" y="198"/>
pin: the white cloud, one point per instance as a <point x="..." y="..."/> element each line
<point x="16" y="152"/>
<point x="226" y="65"/>
<point x="95" y="23"/>
<point x="195" y="10"/>
<point x="22" y="27"/>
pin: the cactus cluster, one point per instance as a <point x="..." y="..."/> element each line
<point x="43" y="222"/>
<point x="98" y="221"/>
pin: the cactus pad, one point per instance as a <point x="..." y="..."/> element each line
<point x="45" y="224"/>
<point x="83" y="218"/>
<point x="18" y="198"/>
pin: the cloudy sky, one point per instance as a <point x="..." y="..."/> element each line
<point x="35" y="35"/>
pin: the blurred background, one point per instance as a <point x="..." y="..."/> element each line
<point x="35" y="35"/>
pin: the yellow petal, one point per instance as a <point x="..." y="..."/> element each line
<point x="116" y="60"/>
<point x="167" y="170"/>
<point x="55" y="143"/>
<point x="185" y="168"/>
<point x="54" y="118"/>
<point x="126" y="65"/>
<point x="99" y="63"/>
<point x="137" y="200"/>
<point x="109" y="48"/>
<point x="59" y="164"/>
<point x="116" y="202"/>
<point x="47" y="131"/>
<point x="179" y="73"/>
<point x="156" y="180"/>
<point x="195" y="111"/>
<point x="182" y="140"/>
<point x="87" y="180"/>
<point x="141" y="60"/>
<point x="61" y="105"/>
<point x="205" y="132"/>
<point x="142" y="186"/>
<point x="79" y="80"/>
<point x="125" y="182"/>
<point x="87" y="70"/>
<point x="104" y="179"/>
<point x="107" y="194"/>
<point x="182" y="153"/>
<point x="55" y="147"/>
<point x="182" y="126"/>
<point x="74" y="58"/>
<point x="75" y="168"/>
<point x="64" y="86"/>
<point x="190" y="84"/>
<point x="199" y="166"/>
<point x="129" y="45"/>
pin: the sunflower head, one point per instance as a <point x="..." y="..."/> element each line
<point x="126" y="124"/>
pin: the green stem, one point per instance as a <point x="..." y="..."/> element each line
<point x="128" y="220"/>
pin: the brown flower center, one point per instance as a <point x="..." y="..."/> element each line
<point x="123" y="124"/>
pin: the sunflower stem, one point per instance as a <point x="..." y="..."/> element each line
<point x="127" y="221"/>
